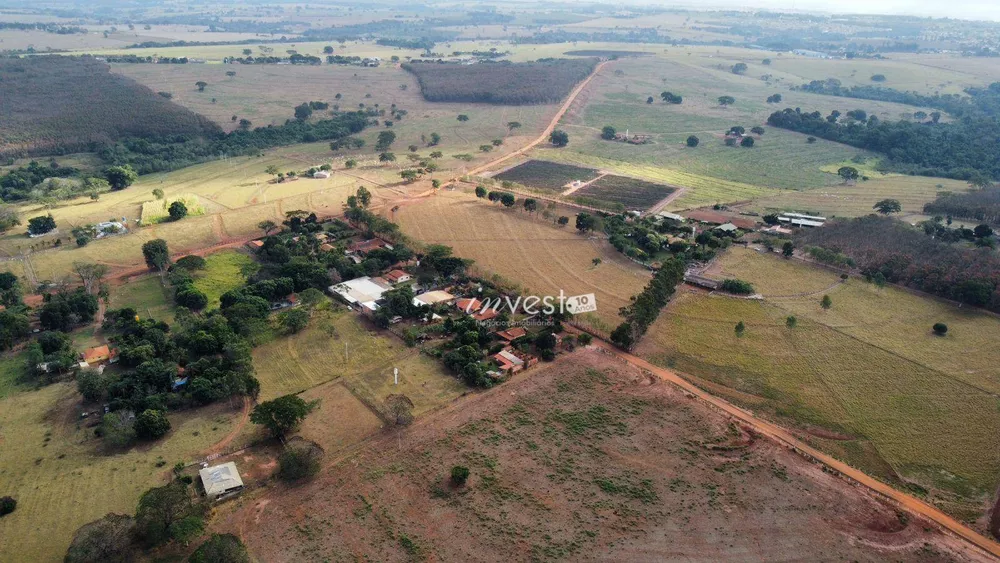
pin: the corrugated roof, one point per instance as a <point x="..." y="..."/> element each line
<point x="220" y="478"/>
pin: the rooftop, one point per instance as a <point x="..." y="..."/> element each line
<point x="220" y="478"/>
<point x="360" y="290"/>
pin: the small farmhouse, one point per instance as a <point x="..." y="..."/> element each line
<point x="221" y="481"/>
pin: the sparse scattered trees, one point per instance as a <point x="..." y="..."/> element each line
<point x="201" y="84"/>
<point x="739" y="68"/>
<point x="692" y="141"/>
<point x="221" y="548"/>
<point x="726" y="100"/>
<point x="608" y="133"/>
<point x="740" y="329"/>
<point x="826" y="302"/>
<point x="940" y="329"/>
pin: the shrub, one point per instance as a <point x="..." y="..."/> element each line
<point x="151" y="424"/>
<point x="297" y="463"/>
<point x="7" y="505"/>
<point x="459" y="475"/>
<point x="221" y="548"/>
<point x="737" y="287"/>
<point x="740" y="329"/>
<point x="940" y="329"/>
<point x="584" y="339"/>
<point x="692" y="141"/>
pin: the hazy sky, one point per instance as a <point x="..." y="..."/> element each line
<point x="965" y="9"/>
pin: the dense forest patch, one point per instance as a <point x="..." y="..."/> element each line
<point x="967" y="149"/>
<point x="505" y="83"/>
<point x="981" y="205"/>
<point x="57" y="104"/>
<point x="909" y="257"/>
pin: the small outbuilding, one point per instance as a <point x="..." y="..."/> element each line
<point x="221" y="481"/>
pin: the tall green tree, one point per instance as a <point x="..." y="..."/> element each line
<point x="120" y="177"/>
<point x="156" y="254"/>
<point x="283" y="414"/>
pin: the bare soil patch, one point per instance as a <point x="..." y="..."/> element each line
<point x="584" y="459"/>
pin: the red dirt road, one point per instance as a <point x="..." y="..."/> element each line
<point x="784" y="437"/>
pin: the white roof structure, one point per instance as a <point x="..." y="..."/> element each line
<point x="728" y="228"/>
<point x="220" y="478"/>
<point x="359" y="290"/>
<point x="802" y="216"/>
<point x="801" y="222"/>
<point x="432" y="298"/>
<point x="669" y="215"/>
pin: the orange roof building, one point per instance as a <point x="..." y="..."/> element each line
<point x="100" y="355"/>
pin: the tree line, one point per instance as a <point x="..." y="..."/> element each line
<point x="646" y="306"/>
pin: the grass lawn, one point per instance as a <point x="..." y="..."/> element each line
<point x="221" y="274"/>
<point x="911" y="406"/>
<point x="53" y="466"/>
<point x="146" y="295"/>
<point x="334" y="345"/>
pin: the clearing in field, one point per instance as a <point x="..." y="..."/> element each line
<point x="147" y="295"/>
<point x="628" y="192"/>
<point x="529" y="251"/>
<point x="583" y="458"/>
<point x="547" y="176"/>
<point x="334" y="345"/>
<point x="223" y="272"/>
<point x="158" y="210"/>
<point x="867" y="378"/>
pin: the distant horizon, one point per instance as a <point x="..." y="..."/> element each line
<point x="962" y="9"/>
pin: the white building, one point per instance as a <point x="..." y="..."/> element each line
<point x="221" y="481"/>
<point x="361" y="292"/>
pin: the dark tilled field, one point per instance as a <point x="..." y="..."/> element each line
<point x="584" y="459"/>
<point x="544" y="175"/>
<point x="630" y="192"/>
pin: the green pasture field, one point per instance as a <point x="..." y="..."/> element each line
<point x="855" y="200"/>
<point x="222" y="273"/>
<point x="545" y="175"/>
<point x="918" y="407"/>
<point x="147" y="295"/>
<point x="630" y="192"/>
<point x="52" y="464"/>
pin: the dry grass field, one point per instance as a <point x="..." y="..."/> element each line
<point x="334" y="345"/>
<point x="856" y="200"/>
<point x="532" y="252"/>
<point x="581" y="459"/>
<point x="52" y="465"/>
<point x="896" y="400"/>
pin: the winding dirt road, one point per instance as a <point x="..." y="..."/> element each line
<point x="785" y="437"/>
